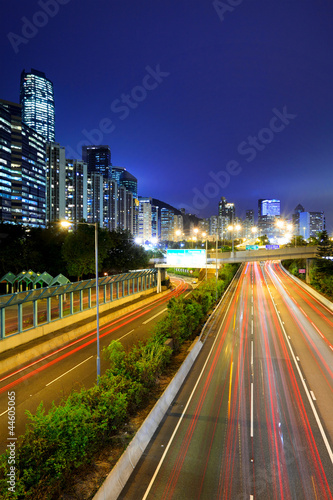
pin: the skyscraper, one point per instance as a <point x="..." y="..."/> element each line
<point x="5" y="165"/>
<point x="248" y="223"/>
<point x="37" y="100"/>
<point x="24" y="177"/>
<point x="98" y="159"/>
<point x="129" y="182"/>
<point x="268" y="214"/>
<point x="311" y="223"/>
<point x="295" y="218"/>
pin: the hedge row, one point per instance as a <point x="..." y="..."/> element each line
<point x="67" y="436"/>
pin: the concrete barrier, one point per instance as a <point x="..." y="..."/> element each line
<point x="309" y="289"/>
<point x="67" y="331"/>
<point x="116" y="480"/>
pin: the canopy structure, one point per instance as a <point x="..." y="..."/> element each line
<point x="30" y="279"/>
<point x="61" y="285"/>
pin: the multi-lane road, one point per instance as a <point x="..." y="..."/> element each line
<point x="254" y="419"/>
<point x="74" y="365"/>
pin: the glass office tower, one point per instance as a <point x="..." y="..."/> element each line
<point x="37" y="100"/>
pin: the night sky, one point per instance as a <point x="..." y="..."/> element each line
<point x="197" y="100"/>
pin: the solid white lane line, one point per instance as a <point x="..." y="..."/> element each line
<point x="69" y="371"/>
<point x="317" y="329"/>
<point x="153" y="317"/>
<point x="313" y="396"/>
<point x="3" y="413"/>
<point x="126" y="334"/>
<point x="321" y="429"/>
<point x="251" y="409"/>
<point x="251" y="352"/>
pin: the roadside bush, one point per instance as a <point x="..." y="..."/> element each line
<point x="143" y="363"/>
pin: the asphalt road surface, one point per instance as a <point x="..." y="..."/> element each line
<point x="253" y="419"/>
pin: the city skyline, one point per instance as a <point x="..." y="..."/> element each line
<point x="196" y="103"/>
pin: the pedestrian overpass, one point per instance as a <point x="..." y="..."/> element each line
<point x="216" y="259"/>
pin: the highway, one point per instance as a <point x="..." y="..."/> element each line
<point x="253" y="419"/>
<point x="74" y="365"/>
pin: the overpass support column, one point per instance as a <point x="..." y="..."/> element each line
<point x="309" y="263"/>
<point x="160" y="278"/>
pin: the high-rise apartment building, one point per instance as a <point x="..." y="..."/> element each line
<point x="55" y="182"/>
<point x="95" y="187"/>
<point x="125" y="211"/>
<point x="227" y="211"/>
<point x="24" y="174"/>
<point x="167" y="224"/>
<point x="37" y="100"/>
<point x="145" y="219"/>
<point x="76" y="190"/>
<point x="110" y="204"/>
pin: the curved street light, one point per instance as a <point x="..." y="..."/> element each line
<point x="67" y="223"/>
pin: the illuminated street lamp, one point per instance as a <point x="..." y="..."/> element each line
<point x="67" y="223"/>
<point x="178" y="233"/>
<point x="205" y="236"/>
<point x="216" y="272"/>
<point x="237" y="227"/>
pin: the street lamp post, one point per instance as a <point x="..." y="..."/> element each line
<point x="68" y="223"/>
<point x="216" y="274"/>
<point x="205" y="236"/>
<point x="232" y="228"/>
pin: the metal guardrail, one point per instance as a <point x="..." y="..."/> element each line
<point x="21" y="311"/>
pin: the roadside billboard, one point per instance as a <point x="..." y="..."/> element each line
<point x="186" y="258"/>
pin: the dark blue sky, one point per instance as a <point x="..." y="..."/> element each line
<point x="204" y="126"/>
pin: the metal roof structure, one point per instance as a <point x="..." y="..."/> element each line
<point x="65" y="286"/>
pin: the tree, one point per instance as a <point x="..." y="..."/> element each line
<point x="79" y="250"/>
<point x="123" y="254"/>
<point x="263" y="240"/>
<point x="43" y="250"/>
<point x="325" y="247"/>
<point x="297" y="241"/>
<point x="12" y="248"/>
